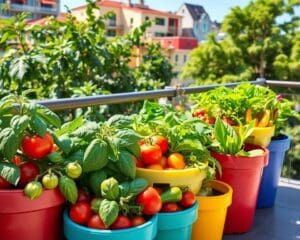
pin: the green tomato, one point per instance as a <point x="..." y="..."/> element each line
<point x="50" y="181"/>
<point x="73" y="170"/>
<point x="33" y="190"/>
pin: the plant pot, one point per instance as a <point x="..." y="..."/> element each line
<point x="74" y="231"/>
<point x="176" y="225"/>
<point x="22" y="218"/>
<point x="190" y="177"/>
<point x="212" y="213"/>
<point x="243" y="174"/>
<point x="271" y="174"/>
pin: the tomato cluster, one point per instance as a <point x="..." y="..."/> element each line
<point x="155" y="155"/>
<point x="202" y="114"/>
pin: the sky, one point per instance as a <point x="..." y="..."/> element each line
<point x="217" y="9"/>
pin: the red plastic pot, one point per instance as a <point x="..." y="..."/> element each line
<point x="243" y="174"/>
<point x="22" y="218"/>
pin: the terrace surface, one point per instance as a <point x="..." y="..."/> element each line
<point x="282" y="222"/>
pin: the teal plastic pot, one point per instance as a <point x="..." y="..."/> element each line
<point x="74" y="231"/>
<point x="271" y="174"/>
<point x="176" y="225"/>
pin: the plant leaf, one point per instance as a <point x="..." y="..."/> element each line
<point x="95" y="156"/>
<point x="10" y="172"/>
<point x="48" y="116"/>
<point x="9" y="142"/>
<point x="67" y="187"/>
<point x="126" y="164"/>
<point x="108" y="211"/>
<point x="38" y="125"/>
<point x="19" y="123"/>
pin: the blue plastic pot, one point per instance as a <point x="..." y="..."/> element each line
<point x="74" y="231"/>
<point x="271" y="173"/>
<point x="176" y="225"/>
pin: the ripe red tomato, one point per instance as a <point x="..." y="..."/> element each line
<point x="121" y="222"/>
<point x="4" y="184"/>
<point x="199" y="112"/>
<point x="162" y="142"/>
<point x="28" y="172"/>
<point x="137" y="220"/>
<point x="83" y="196"/>
<point x="188" y="199"/>
<point x="138" y="163"/>
<point x="169" y="207"/>
<point x="176" y="160"/>
<point x="96" y="222"/>
<point x="150" y="200"/>
<point x="150" y="154"/>
<point x="227" y="120"/>
<point x="81" y="212"/>
<point x="211" y="120"/>
<point x="37" y="147"/>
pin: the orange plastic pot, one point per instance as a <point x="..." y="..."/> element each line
<point x="189" y="177"/>
<point x="212" y="213"/>
<point x="243" y="174"/>
<point x="22" y="218"/>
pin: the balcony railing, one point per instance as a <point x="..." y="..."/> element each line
<point x="33" y="9"/>
<point x="114" y="25"/>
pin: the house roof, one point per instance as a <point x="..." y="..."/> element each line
<point x="134" y="7"/>
<point x="196" y="11"/>
<point x="42" y="21"/>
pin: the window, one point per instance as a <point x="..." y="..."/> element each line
<point x="146" y="18"/>
<point x="172" y="22"/>
<point x="184" y="58"/>
<point x="182" y="10"/>
<point x="131" y="20"/>
<point x="111" y="33"/>
<point x="112" y="20"/>
<point x="160" y="21"/>
<point x="159" y="34"/>
<point x="176" y="58"/>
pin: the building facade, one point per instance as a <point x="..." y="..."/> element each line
<point x="195" y="21"/>
<point x="36" y="8"/>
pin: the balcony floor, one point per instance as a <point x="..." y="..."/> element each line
<point x="282" y="222"/>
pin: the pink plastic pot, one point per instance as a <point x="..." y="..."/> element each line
<point x="22" y="218"/>
<point x="243" y="174"/>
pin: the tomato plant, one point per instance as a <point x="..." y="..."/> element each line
<point x="28" y="172"/>
<point x="81" y="212"/>
<point x="150" y="200"/>
<point x="150" y="154"/>
<point x="37" y="147"/>
<point x="162" y="142"/>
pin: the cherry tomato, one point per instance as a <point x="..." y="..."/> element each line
<point x="16" y="160"/>
<point x="121" y="222"/>
<point x="81" y="212"/>
<point x="176" y="160"/>
<point x="211" y="120"/>
<point x="28" y="172"/>
<point x="163" y="162"/>
<point x="199" y="112"/>
<point x="155" y="167"/>
<point x="150" y="200"/>
<point x="162" y="142"/>
<point x="138" y="163"/>
<point x="50" y="181"/>
<point x="83" y="196"/>
<point x="150" y="154"/>
<point x="4" y="184"/>
<point x="188" y="199"/>
<point x="227" y="120"/>
<point x="73" y="170"/>
<point x="54" y="148"/>
<point x="169" y="207"/>
<point x="95" y="204"/>
<point x="137" y="220"/>
<point x="96" y="222"/>
<point x="37" y="147"/>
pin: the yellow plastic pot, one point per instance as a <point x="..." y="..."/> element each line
<point x="212" y="212"/>
<point x="190" y="177"/>
<point x="260" y="136"/>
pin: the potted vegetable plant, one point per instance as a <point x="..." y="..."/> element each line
<point x="35" y="179"/>
<point x="278" y="146"/>
<point x="242" y="166"/>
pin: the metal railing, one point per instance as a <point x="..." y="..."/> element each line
<point x="71" y="103"/>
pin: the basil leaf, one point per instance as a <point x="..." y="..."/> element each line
<point x="10" y="172"/>
<point x="48" y="116"/>
<point x="108" y="211"/>
<point x="64" y="143"/>
<point x="95" y="156"/>
<point x="9" y="142"/>
<point x="112" y="150"/>
<point x="127" y="137"/>
<point x="38" y="125"/>
<point x="126" y="164"/>
<point x="110" y="189"/>
<point x="133" y="188"/>
<point x="120" y="121"/>
<point x="87" y="131"/>
<point x="55" y="157"/>
<point x="134" y="149"/>
<point x="67" y="187"/>
<point x="70" y="127"/>
<point x="19" y="123"/>
<point x="95" y="179"/>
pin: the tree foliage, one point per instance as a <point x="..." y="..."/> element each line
<point x="72" y="58"/>
<point x="258" y="44"/>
